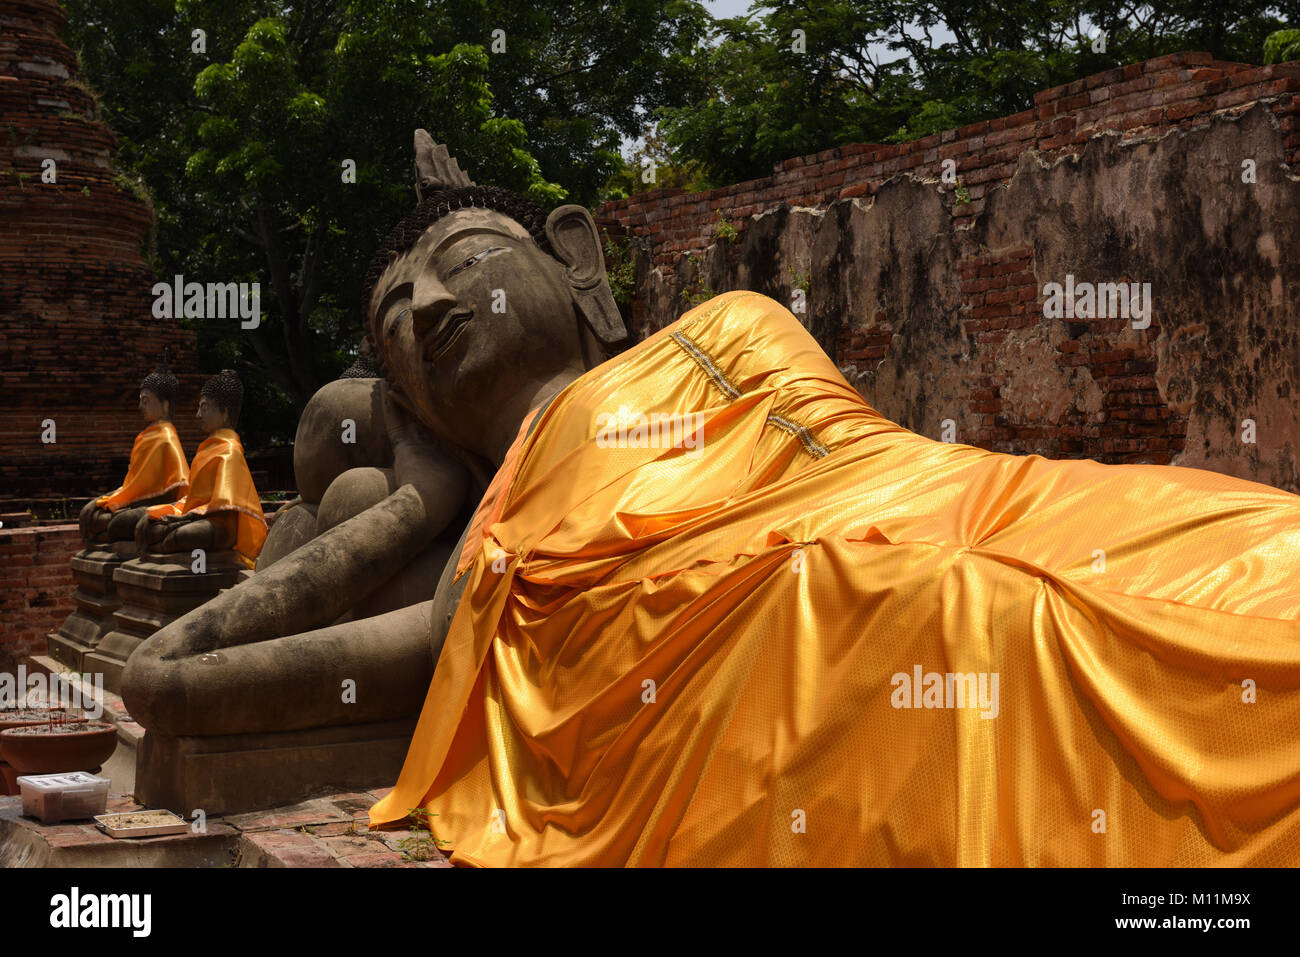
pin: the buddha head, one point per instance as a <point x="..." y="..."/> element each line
<point x="363" y="367"/>
<point x="158" y="393"/>
<point x="219" y="401"/>
<point x="479" y="293"/>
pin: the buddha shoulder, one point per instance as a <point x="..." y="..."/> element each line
<point x="342" y="427"/>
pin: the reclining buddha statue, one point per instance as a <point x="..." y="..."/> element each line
<point x="713" y="609"/>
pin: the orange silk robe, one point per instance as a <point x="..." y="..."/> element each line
<point x="157" y="466"/>
<point x="711" y="657"/>
<point x="220" y="482"/>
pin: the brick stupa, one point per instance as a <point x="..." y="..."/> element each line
<point x="77" y="333"/>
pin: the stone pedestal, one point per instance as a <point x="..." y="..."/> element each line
<point x="155" y="590"/>
<point x="229" y="774"/>
<point x="96" y="599"/>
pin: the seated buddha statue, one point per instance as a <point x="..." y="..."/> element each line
<point x="157" y="472"/>
<point x="221" y="510"/>
<point x="765" y="624"/>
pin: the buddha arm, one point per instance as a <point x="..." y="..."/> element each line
<point x="441" y="482"/>
<point x="447" y="597"/>
<point x="180" y="681"/>
<point x="92" y="519"/>
<point x="289" y="684"/>
<point x="148" y="500"/>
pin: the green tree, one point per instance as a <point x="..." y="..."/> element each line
<point x="800" y="76"/>
<point x="652" y="165"/>
<point x="246" y="134"/>
<point x="1282" y="46"/>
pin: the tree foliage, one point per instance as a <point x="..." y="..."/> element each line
<point x="879" y="71"/>
<point x="651" y="165"/>
<point x="244" y="136"/>
<point x="243" y="145"/>
<point x="1282" y="46"/>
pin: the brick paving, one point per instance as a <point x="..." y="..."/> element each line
<point x="328" y="831"/>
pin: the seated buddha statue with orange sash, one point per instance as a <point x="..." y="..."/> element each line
<point x="222" y="510"/>
<point x="157" y="472"/>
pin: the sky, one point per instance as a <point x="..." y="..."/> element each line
<point x="727" y="8"/>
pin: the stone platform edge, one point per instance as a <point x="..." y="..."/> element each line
<point x="129" y="732"/>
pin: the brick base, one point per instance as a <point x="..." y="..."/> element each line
<point x="36" y="586"/>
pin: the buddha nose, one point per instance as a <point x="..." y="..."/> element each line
<point x="430" y="301"/>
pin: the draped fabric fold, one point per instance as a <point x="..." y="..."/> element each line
<point x="220" y="482"/>
<point x="813" y="637"/>
<point x="157" y="466"/>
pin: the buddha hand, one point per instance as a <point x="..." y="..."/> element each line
<point x="420" y="459"/>
<point x="91" y="520"/>
<point x="403" y="426"/>
<point x="151" y="532"/>
<point x="215" y="533"/>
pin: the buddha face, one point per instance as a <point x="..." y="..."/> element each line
<point x="469" y="316"/>
<point x="152" y="407"/>
<point x="211" y="416"/>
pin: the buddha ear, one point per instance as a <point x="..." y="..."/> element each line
<point x="576" y="242"/>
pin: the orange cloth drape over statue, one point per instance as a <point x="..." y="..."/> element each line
<point x="220" y="482"/>
<point x="157" y="466"/>
<point x="702" y="657"/>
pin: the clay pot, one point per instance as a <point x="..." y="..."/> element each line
<point x="53" y="752"/>
<point x="8" y="779"/>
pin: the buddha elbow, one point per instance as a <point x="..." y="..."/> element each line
<point x="162" y="694"/>
<point x="148" y="686"/>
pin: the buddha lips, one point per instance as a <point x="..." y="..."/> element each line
<point x="440" y="339"/>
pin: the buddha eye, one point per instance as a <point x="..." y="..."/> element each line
<point x="390" y="327"/>
<point x="461" y="266"/>
<point x="477" y="257"/>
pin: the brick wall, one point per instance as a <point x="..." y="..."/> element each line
<point x="928" y="293"/>
<point x="77" y="332"/>
<point x="1003" y="294"/>
<point x="36" y="586"/>
<point x="1180" y="90"/>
